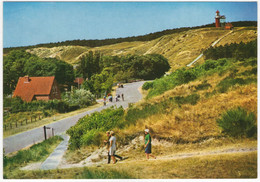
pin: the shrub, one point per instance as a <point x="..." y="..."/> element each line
<point x="87" y="130"/>
<point x="238" y="123"/>
<point x="79" y="97"/>
<point x="147" y="85"/>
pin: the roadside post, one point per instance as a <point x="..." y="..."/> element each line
<point x="44" y="129"/>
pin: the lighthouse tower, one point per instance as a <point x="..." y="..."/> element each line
<point x="217" y="19"/>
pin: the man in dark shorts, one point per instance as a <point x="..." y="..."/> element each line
<point x="148" y="144"/>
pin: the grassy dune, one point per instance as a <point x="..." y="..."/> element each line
<point x="179" y="48"/>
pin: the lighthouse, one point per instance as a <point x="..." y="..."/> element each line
<point x="217" y="19"/>
<point x="220" y="20"/>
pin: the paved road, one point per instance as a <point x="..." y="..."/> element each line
<point x="22" y="140"/>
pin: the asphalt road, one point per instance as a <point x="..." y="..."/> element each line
<point x="22" y="140"/>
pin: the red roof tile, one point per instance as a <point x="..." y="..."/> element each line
<point x="36" y="86"/>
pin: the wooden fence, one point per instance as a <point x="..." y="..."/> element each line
<point x="20" y="123"/>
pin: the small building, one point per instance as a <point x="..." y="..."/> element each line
<point x="37" y="88"/>
<point x="79" y="81"/>
<point x="229" y="26"/>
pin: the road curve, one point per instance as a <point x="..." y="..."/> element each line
<point x="22" y="140"/>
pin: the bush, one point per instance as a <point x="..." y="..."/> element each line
<point x="147" y="85"/>
<point x="79" y="97"/>
<point x="87" y="130"/>
<point x="238" y="123"/>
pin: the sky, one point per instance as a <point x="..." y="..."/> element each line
<point x="31" y="23"/>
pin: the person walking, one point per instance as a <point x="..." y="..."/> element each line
<point x="107" y="145"/>
<point x="111" y="146"/>
<point x="148" y="144"/>
<point x="105" y="100"/>
<point x="122" y="96"/>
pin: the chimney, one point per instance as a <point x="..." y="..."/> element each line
<point x="26" y="79"/>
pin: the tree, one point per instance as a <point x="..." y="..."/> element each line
<point x="19" y="63"/>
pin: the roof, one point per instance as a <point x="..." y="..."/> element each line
<point x="79" y="80"/>
<point x="229" y="24"/>
<point x="36" y="86"/>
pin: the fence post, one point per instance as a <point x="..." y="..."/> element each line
<point x="52" y="132"/>
<point x="44" y="129"/>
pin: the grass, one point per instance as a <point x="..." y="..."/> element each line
<point x="36" y="153"/>
<point x="46" y="121"/>
<point x="232" y="165"/>
<point x="190" y="123"/>
<point x="218" y="166"/>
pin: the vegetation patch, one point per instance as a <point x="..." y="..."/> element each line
<point x="89" y="173"/>
<point x="37" y="152"/>
<point x="89" y="128"/>
<point x="190" y="99"/>
<point x="238" y="123"/>
<point x="228" y="82"/>
<point x="203" y="86"/>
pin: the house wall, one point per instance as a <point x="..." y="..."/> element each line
<point x="42" y="97"/>
<point x="55" y="91"/>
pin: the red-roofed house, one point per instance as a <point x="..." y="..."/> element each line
<point x="37" y="88"/>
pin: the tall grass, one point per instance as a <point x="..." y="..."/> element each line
<point x="228" y="82"/>
<point x="35" y="153"/>
<point x="190" y="99"/>
<point x="148" y="109"/>
<point x="103" y="174"/>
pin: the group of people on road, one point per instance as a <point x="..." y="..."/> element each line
<point x="110" y="98"/>
<point x="111" y="146"/>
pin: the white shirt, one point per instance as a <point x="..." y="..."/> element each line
<point x="113" y="139"/>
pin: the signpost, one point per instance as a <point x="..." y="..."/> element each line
<point x="44" y="130"/>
